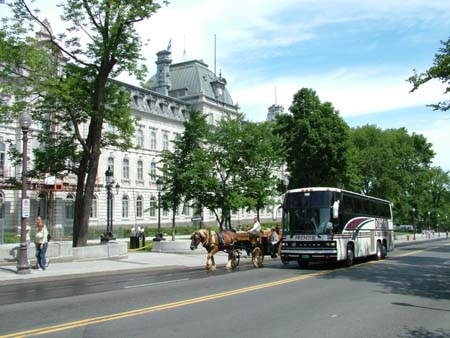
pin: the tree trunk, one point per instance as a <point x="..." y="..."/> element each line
<point x="89" y="163"/>
<point x="174" y="210"/>
<point x="86" y="184"/>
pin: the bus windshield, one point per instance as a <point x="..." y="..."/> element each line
<point x="308" y="213"/>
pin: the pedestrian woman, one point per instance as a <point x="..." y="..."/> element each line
<point x="41" y="243"/>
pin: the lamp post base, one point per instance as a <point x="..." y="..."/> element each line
<point x="159" y="237"/>
<point x="106" y="237"/>
<point x="23" y="267"/>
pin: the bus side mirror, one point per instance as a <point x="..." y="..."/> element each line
<point x="275" y="212"/>
<point x="336" y="210"/>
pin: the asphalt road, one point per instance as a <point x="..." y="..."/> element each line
<point x="406" y="295"/>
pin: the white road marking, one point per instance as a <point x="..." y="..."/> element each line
<point x="159" y="283"/>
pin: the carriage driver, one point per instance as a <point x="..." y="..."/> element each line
<point x="256" y="228"/>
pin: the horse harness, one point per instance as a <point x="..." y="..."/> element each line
<point x="209" y="242"/>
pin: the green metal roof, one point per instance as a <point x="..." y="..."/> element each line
<point x="193" y="78"/>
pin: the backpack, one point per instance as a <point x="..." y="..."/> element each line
<point x="49" y="237"/>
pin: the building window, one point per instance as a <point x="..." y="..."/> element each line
<point x="125" y="207"/>
<point x="111" y="163"/>
<point x="153" y="206"/>
<point x="152" y="139"/>
<point x="69" y="207"/>
<point x="94" y="207"/>
<point x="140" y="170"/>
<point x="165" y="212"/>
<point x="186" y="209"/>
<point x="140" y="138"/>
<point x="165" y="142"/>
<point x="153" y="172"/>
<point x="42" y="205"/>
<point x="126" y="169"/>
<point x="139" y="206"/>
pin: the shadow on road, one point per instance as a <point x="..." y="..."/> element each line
<point x="411" y="275"/>
<point x="424" y="333"/>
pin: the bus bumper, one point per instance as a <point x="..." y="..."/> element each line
<point x="309" y="255"/>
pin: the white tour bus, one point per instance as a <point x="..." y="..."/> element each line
<point x="329" y="224"/>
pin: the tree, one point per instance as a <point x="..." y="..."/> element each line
<point x="265" y="155"/>
<point x="440" y="71"/>
<point x="75" y="88"/>
<point x="390" y="164"/>
<point x="316" y="139"/>
<point x="225" y="156"/>
<point x="184" y="168"/>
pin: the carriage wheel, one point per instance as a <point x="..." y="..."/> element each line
<point x="257" y="257"/>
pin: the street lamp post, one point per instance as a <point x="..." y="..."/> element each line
<point x="109" y="180"/>
<point x="414" y="223"/>
<point x="429" y="220"/>
<point x="437" y="225"/>
<point x="159" y="236"/>
<point x="23" y="267"/>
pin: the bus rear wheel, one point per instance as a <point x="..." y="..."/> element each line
<point x="379" y="253"/>
<point x="383" y="250"/>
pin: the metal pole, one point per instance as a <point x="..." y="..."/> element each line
<point x="22" y="265"/>
<point x="159" y="215"/>
<point x="108" y="209"/>
<point x="414" y="223"/>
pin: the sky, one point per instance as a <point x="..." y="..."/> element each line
<point x="356" y="54"/>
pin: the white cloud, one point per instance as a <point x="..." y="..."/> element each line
<point x="352" y="92"/>
<point x="438" y="135"/>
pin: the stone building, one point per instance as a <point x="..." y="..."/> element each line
<point x="175" y="89"/>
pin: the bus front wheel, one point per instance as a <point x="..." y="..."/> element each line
<point x="350" y="255"/>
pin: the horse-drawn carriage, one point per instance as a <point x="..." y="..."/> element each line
<point x="256" y="246"/>
<point x="233" y="243"/>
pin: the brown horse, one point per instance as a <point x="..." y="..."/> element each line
<point x="212" y="244"/>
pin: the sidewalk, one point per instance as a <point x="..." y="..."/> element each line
<point x="136" y="261"/>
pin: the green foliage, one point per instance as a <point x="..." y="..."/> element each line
<point x="316" y="139"/>
<point x="224" y="170"/>
<point x="264" y="156"/>
<point x="65" y="83"/>
<point x="393" y="165"/>
<point x="439" y="71"/>
<point x="185" y="168"/>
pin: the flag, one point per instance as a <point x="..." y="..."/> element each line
<point x="169" y="46"/>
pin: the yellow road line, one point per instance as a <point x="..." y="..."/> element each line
<point x="121" y="315"/>
<point x="410" y="253"/>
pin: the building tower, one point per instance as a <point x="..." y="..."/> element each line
<point x="163" y="62"/>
